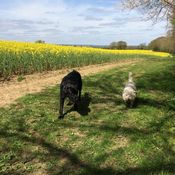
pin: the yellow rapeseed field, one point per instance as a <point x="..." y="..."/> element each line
<point x="25" y="57"/>
<point x="22" y="47"/>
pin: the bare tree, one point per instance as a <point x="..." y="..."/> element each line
<point x="155" y="9"/>
<point x="172" y="31"/>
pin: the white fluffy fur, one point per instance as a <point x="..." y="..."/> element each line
<point x="129" y="92"/>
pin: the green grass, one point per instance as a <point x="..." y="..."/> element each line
<point x="102" y="137"/>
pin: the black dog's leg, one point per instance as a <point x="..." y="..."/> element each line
<point x="79" y="95"/>
<point x="75" y="106"/>
<point x="62" y="98"/>
<point x="61" y="107"/>
<point x="79" y="98"/>
<point x="76" y="103"/>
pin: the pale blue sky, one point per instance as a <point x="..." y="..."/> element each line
<point x="75" y="22"/>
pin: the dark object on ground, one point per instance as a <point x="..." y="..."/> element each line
<point x="70" y="87"/>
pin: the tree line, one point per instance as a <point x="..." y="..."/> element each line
<point x="162" y="44"/>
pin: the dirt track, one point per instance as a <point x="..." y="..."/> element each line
<point x="10" y="91"/>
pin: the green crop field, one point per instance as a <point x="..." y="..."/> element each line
<point x="21" y="58"/>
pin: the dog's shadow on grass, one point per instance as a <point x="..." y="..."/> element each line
<point x="155" y="103"/>
<point x="139" y="101"/>
<point x="83" y="106"/>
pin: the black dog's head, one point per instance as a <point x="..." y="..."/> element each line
<point x="72" y="93"/>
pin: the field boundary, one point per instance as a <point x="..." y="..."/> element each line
<point x="13" y="89"/>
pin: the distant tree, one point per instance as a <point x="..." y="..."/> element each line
<point x="161" y="44"/>
<point x="142" y="46"/>
<point x="113" y="45"/>
<point x="39" y="41"/>
<point x="118" y="45"/>
<point x="166" y="43"/>
<point x="155" y="44"/>
<point x="122" y="45"/>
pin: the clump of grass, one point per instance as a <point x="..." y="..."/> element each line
<point x="20" y="78"/>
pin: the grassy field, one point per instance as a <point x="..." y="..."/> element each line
<point x="21" y="58"/>
<point x="102" y="137"/>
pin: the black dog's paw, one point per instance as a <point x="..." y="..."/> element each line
<point x="61" y="117"/>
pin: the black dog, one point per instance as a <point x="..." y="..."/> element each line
<point x="70" y="87"/>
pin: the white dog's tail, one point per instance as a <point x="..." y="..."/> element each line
<point x="130" y="77"/>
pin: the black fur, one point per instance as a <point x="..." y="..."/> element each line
<point x="70" y="87"/>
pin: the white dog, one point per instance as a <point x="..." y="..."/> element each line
<point x="129" y="92"/>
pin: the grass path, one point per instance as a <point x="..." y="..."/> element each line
<point x="102" y="137"/>
<point x="10" y="91"/>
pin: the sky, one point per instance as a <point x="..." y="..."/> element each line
<point x="90" y="22"/>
